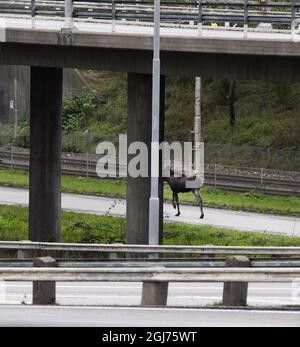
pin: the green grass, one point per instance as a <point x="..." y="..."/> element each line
<point x="253" y="201"/>
<point x="105" y="229"/>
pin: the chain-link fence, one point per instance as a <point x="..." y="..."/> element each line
<point x="220" y="154"/>
<point x="251" y="156"/>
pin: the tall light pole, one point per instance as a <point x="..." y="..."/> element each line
<point x="154" y="203"/>
<point x="15" y="104"/>
<point x="198" y="111"/>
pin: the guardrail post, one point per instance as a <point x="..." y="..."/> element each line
<point x="116" y="255"/>
<point x="44" y="293"/>
<point x="215" y="176"/>
<point x="33" y="13"/>
<point x="68" y="14"/>
<point x="246" y="19"/>
<point x="87" y="163"/>
<point x="155" y="293"/>
<point x="294" y="25"/>
<point x="113" y="14"/>
<point x="293" y="10"/>
<point x="11" y="157"/>
<point x="200" y="18"/>
<point x="235" y="293"/>
<point x="262" y="173"/>
<point x="24" y="253"/>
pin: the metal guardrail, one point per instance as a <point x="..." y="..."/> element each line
<point x="147" y="263"/>
<point x="155" y="274"/>
<point x="243" y="13"/>
<point x="281" y="183"/>
<point x="147" y="249"/>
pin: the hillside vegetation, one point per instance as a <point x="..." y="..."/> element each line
<point x="266" y="132"/>
<point x="267" y="113"/>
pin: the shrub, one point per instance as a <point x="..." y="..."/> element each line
<point x="78" y="111"/>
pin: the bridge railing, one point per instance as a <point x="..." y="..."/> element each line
<point x="237" y="13"/>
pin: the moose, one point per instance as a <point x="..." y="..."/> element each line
<point x="180" y="185"/>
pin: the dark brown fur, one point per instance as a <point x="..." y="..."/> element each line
<point x="178" y="185"/>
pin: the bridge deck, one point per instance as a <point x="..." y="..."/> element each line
<point x="139" y="37"/>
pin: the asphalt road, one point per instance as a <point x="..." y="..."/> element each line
<point x="190" y="295"/>
<point x="244" y="221"/>
<point x="26" y="316"/>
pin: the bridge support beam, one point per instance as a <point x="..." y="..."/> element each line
<point x="139" y="129"/>
<point x="45" y="154"/>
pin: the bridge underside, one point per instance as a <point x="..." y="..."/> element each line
<point x="215" y="65"/>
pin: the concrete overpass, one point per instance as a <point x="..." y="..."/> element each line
<point x="217" y="53"/>
<point x="48" y="49"/>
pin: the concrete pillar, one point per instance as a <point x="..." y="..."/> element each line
<point x="45" y="154"/>
<point x="235" y="293"/>
<point x="155" y="293"/>
<point x="44" y="293"/>
<point x="139" y="129"/>
<point x="14" y="86"/>
<point x="4" y="93"/>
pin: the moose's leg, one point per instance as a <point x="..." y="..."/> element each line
<point x="177" y="203"/>
<point x="199" y="201"/>
<point x="174" y="201"/>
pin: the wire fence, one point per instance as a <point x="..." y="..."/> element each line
<point x="252" y="156"/>
<point x="219" y="154"/>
